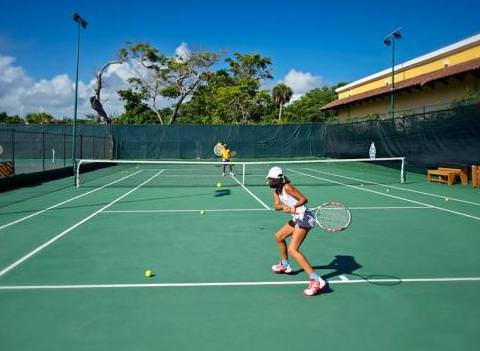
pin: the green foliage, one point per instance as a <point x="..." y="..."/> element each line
<point x="39" y="118"/>
<point x="136" y="109"/>
<point x="232" y="95"/>
<point x="307" y="108"/>
<point x="250" y="66"/>
<point x="14" y="119"/>
<point x="229" y="94"/>
<point x="281" y="94"/>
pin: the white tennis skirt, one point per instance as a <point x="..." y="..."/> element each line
<point x="306" y="220"/>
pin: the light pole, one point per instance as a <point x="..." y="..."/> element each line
<point x="389" y="40"/>
<point x="81" y="24"/>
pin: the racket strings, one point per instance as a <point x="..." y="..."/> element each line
<point x="333" y="217"/>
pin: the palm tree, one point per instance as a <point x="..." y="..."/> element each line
<point x="281" y="94"/>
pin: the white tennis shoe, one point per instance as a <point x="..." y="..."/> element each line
<point x="314" y="287"/>
<point x="279" y="268"/>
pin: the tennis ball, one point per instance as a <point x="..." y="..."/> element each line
<point x="387" y="190"/>
<point x="148" y="273"/>
<point x="446" y="199"/>
<point x="219" y="185"/>
<point x="202" y="212"/>
<point x="361" y="185"/>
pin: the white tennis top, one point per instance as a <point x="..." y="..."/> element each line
<point x="290" y="201"/>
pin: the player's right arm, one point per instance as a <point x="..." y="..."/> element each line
<point x="277" y="205"/>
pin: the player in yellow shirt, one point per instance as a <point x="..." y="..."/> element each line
<point x="226" y="157"/>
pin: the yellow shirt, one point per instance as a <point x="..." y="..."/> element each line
<point x="226" y="154"/>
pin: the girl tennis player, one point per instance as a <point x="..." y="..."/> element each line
<point x="288" y="199"/>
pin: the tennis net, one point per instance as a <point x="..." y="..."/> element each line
<point x="181" y="173"/>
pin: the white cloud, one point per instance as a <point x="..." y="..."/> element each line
<point x="182" y="51"/>
<point x="20" y="94"/>
<point x="301" y="82"/>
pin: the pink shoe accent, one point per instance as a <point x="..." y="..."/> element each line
<point x="279" y="268"/>
<point x="314" y="287"/>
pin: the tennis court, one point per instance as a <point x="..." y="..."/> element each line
<point x="404" y="276"/>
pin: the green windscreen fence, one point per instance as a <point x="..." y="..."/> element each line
<point x="29" y="149"/>
<point x="197" y="141"/>
<point x="426" y="140"/>
<point x="450" y="136"/>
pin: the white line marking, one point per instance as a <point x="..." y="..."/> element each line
<point x="256" y="209"/>
<point x="396" y="187"/>
<point x="343" y="278"/>
<point x="44" y="245"/>
<point x="388" y="195"/>
<point x="253" y="195"/>
<point x="274" y="283"/>
<point x="188" y="211"/>
<point x="64" y="202"/>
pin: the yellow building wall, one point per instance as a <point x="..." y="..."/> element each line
<point x="428" y="97"/>
<point x="439" y="63"/>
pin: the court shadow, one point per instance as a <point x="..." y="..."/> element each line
<point x="340" y="265"/>
<point x="222" y="192"/>
<point x="347" y="265"/>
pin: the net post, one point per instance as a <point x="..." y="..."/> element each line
<point x="243" y="173"/>
<point x="402" y="171"/>
<point x="77" y="174"/>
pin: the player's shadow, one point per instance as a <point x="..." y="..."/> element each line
<point x="346" y="265"/>
<point x="339" y="265"/>
<point x="222" y="192"/>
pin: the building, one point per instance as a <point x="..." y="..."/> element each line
<point x="429" y="82"/>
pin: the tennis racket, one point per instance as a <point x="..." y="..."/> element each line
<point x="332" y="216"/>
<point x="233" y="153"/>
<point x="217" y="150"/>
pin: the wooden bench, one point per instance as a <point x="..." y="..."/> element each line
<point x="441" y="176"/>
<point x="447" y="175"/>
<point x="460" y="172"/>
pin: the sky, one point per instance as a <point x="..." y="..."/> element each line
<point x="311" y="43"/>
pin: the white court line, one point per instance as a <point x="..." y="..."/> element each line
<point x="253" y="195"/>
<point x="343" y="278"/>
<point x="269" y="283"/>
<point x="396" y="187"/>
<point x="64" y="202"/>
<point x="44" y="245"/>
<point x="257" y="209"/>
<point x="187" y="211"/>
<point x="388" y="195"/>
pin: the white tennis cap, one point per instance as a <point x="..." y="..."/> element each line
<point x="275" y="172"/>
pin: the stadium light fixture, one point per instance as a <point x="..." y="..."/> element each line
<point x="389" y="40"/>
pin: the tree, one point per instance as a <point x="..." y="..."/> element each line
<point x="14" y="119"/>
<point x="307" y="108"/>
<point x="185" y="75"/>
<point x="250" y="66"/>
<point x="136" y="109"/>
<point x="39" y="118"/>
<point x="149" y="73"/>
<point x="281" y="94"/>
<point x="95" y="100"/>
<point x="232" y="94"/>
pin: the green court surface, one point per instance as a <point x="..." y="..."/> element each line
<point x="404" y="276"/>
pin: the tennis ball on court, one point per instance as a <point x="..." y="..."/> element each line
<point x="361" y="185"/>
<point x="148" y="273"/>
<point x="219" y="185"/>
<point x="387" y="190"/>
<point x="202" y="212"/>
<point x="446" y="199"/>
